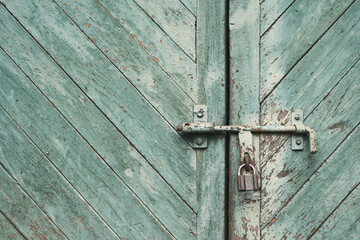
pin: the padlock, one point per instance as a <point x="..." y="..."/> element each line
<point x="249" y="181"/>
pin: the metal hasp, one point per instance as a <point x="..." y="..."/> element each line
<point x="250" y="181"/>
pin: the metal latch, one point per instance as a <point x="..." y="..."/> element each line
<point x="247" y="182"/>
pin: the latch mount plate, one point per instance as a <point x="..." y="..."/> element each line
<point x="297" y="141"/>
<point x="200" y="115"/>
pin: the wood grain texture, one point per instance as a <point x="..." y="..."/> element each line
<point x="22" y="211"/>
<point x="7" y="230"/>
<point x="244" y="207"/>
<point x="46" y="186"/>
<point x="271" y="10"/>
<point x="176" y="21"/>
<point x="211" y="77"/>
<point x="153" y="40"/>
<point x="126" y="108"/>
<point x="343" y="223"/>
<point x="320" y="195"/>
<point x="293" y="35"/>
<point x="133" y="170"/>
<point x="312" y="78"/>
<point x="129" y="57"/>
<point x="333" y="120"/>
<point x="191" y="5"/>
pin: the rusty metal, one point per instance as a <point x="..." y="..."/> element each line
<point x="210" y="127"/>
<point x="247" y="161"/>
<point x="200" y="115"/>
<point x="247" y="182"/>
<point x="297" y="141"/>
<point x="247" y="151"/>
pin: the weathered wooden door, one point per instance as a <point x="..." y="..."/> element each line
<point x="288" y="55"/>
<point x="91" y="94"/>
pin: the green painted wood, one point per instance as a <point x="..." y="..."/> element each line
<point x="332" y="120"/>
<point x="176" y="21"/>
<point x="321" y="194"/>
<point x="343" y="223"/>
<point x="7" y="230"/>
<point x="293" y="35"/>
<point x="312" y="78"/>
<point x="244" y="207"/>
<point x="126" y="108"/>
<point x="27" y="219"/>
<point x="191" y="5"/>
<point x="153" y="40"/>
<point x="112" y="197"/>
<point x="211" y="161"/>
<point x="271" y="10"/>
<point x="128" y="55"/>
<point x="46" y="186"/>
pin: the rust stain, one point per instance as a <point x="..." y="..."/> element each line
<point x="87" y="24"/>
<point x="340" y="125"/>
<point x="113" y="60"/>
<point x="155" y="59"/>
<point x="282" y="115"/>
<point x="283" y="173"/>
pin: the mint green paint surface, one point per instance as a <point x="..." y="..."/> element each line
<point x="90" y="99"/>
<point x="91" y="93"/>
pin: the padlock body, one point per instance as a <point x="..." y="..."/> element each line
<point x="247" y="182"/>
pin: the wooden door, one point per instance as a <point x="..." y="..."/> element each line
<point x="288" y="55"/>
<point x="91" y="94"/>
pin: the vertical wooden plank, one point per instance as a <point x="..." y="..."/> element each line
<point x="244" y="207"/>
<point x="211" y="77"/>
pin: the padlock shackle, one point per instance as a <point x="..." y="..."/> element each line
<point x="242" y="165"/>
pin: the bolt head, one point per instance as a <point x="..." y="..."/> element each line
<point x="298" y="141"/>
<point x="199" y="141"/>
<point x="297" y="117"/>
<point x="200" y="113"/>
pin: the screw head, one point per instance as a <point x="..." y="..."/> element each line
<point x="298" y="141"/>
<point x="297" y="117"/>
<point x="200" y="113"/>
<point x="199" y="141"/>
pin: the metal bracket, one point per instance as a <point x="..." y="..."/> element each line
<point x="246" y="181"/>
<point x="200" y="115"/>
<point x="297" y="128"/>
<point x="297" y="141"/>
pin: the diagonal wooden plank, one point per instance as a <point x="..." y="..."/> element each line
<point x="150" y="36"/>
<point x="344" y="222"/>
<point x="110" y="196"/>
<point x="332" y="120"/>
<point x="325" y="64"/>
<point x="211" y="165"/>
<point x="125" y="107"/>
<point x="271" y="11"/>
<point x="175" y="20"/>
<point x="293" y="35"/>
<point x="190" y="4"/>
<point x="244" y="207"/>
<point x="46" y="186"/>
<point x="320" y="195"/>
<point x="7" y="229"/>
<point x="27" y="219"/>
<point x="126" y="54"/>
